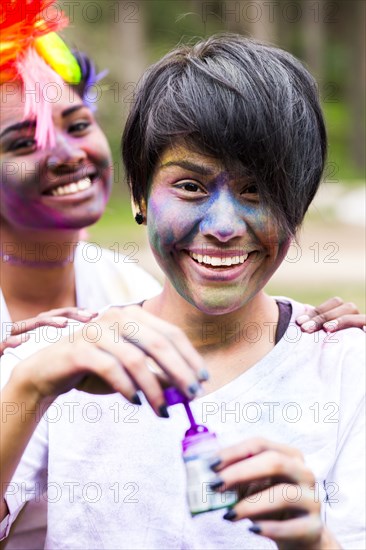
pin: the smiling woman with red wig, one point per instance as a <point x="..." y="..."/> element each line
<point x="55" y="177"/>
<point x="55" y="180"/>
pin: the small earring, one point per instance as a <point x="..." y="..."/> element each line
<point x="139" y="218"/>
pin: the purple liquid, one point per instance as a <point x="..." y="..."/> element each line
<point x="173" y="396"/>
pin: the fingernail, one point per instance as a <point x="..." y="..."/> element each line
<point x="21" y="338"/>
<point x="135" y="399"/>
<point x="59" y="320"/>
<point x="216" y="484"/>
<point x="309" y="326"/>
<point x="302" y="319"/>
<point x="230" y="515"/>
<point x="203" y="375"/>
<point x="215" y="463"/>
<point x="194" y="389"/>
<point x="85" y="312"/>
<point x="330" y="325"/>
<point x="255" y="529"/>
<point x="163" y="411"/>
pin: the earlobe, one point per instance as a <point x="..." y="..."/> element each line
<point x="139" y="212"/>
<point x="139" y="218"/>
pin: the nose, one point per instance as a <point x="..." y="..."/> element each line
<point x="66" y="155"/>
<point x="223" y="218"/>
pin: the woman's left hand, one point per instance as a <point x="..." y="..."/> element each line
<point x="332" y="315"/>
<point x="277" y="491"/>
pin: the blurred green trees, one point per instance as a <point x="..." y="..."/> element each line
<point x="329" y="36"/>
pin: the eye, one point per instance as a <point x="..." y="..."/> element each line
<point x="251" y="189"/>
<point x="190" y="187"/>
<point x="79" y="127"/>
<point x="28" y="144"/>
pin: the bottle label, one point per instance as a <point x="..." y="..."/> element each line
<point x="201" y="498"/>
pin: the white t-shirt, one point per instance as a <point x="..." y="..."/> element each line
<point x="102" y="277"/>
<point x="114" y="472"/>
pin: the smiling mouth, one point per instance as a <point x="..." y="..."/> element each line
<point x="218" y="262"/>
<point x="71" y="188"/>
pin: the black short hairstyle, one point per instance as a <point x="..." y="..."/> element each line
<point x="237" y="100"/>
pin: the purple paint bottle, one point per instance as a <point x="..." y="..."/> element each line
<point x="200" y="447"/>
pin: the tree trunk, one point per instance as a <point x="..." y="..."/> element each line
<point x="356" y="88"/>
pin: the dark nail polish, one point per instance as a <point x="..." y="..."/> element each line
<point x="135" y="399"/>
<point x="215" y="463"/>
<point x="216" y="484"/>
<point x="230" y="515"/>
<point x="255" y="529"/>
<point x="203" y="375"/>
<point x="193" y="389"/>
<point x="163" y="410"/>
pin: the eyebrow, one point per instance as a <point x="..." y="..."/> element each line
<point x="71" y="110"/>
<point x="191" y="166"/>
<point x="19" y="126"/>
<point x="32" y="123"/>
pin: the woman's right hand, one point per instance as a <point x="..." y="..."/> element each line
<point x="112" y="354"/>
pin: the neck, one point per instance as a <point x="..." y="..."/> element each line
<point x="230" y="343"/>
<point x="253" y="323"/>
<point x="37" y="272"/>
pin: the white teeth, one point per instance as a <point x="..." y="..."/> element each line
<point x="72" y="188"/>
<point x="217" y="261"/>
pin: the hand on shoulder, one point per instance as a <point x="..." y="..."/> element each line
<point x="332" y="315"/>
<point x="114" y="353"/>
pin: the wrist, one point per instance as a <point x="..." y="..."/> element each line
<point x="328" y="541"/>
<point x="23" y="384"/>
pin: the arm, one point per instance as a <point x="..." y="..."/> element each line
<point x="102" y="359"/>
<point x="16" y="429"/>
<point x="261" y="467"/>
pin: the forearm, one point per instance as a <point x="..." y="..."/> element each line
<point x="328" y="542"/>
<point x="21" y="410"/>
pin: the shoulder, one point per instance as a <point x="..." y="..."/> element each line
<point x="345" y="344"/>
<point x="113" y="276"/>
<point x="99" y="258"/>
<point x="336" y="359"/>
<point x="39" y="338"/>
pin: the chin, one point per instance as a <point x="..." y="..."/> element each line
<point x="79" y="223"/>
<point x="216" y="310"/>
<point x="69" y="224"/>
<point x="215" y="306"/>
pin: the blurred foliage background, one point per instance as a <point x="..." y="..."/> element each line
<point x="328" y="36"/>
